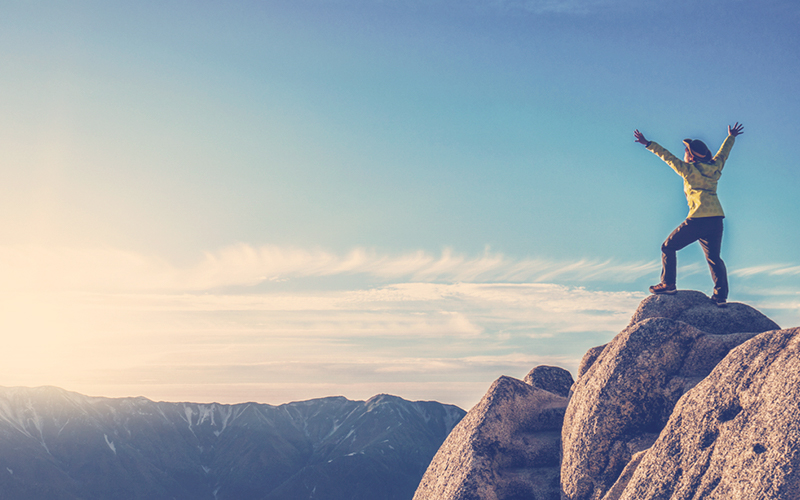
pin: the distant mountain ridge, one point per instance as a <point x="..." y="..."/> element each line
<point x="57" y="444"/>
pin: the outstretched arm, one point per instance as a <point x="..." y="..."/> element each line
<point x="639" y="137"/>
<point x="675" y="163"/>
<point x="725" y="149"/>
<point x="737" y="129"/>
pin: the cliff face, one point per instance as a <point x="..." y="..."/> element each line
<point x="735" y="435"/>
<point x="625" y="396"/>
<point x="508" y="444"/>
<point x="689" y="401"/>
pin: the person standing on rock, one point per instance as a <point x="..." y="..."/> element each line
<point x="700" y="172"/>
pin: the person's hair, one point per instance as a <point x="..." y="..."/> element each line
<point x="699" y="150"/>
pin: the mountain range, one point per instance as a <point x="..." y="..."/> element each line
<point x="56" y="444"/>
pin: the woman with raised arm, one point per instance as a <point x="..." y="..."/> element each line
<point x="700" y="172"/>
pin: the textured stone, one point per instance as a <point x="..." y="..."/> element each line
<point x="736" y="435"/>
<point x="551" y="379"/>
<point x="696" y="309"/>
<point x="627" y="389"/>
<point x="506" y="447"/>
<point x="589" y="358"/>
<point x="619" y="487"/>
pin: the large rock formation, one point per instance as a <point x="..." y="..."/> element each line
<point x="624" y="401"/>
<point x="688" y="402"/>
<point x="735" y="435"/>
<point x="507" y="447"/>
<point x="627" y="389"/>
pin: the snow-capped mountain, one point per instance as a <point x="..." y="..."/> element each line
<point x="57" y="444"/>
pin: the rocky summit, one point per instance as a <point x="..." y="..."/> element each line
<point x="624" y="397"/>
<point x="508" y="444"/>
<point x="689" y="401"/>
<point x="735" y="435"/>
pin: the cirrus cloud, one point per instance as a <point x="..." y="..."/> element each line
<point x="37" y="267"/>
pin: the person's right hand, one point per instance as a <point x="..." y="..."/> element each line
<point x="737" y="129"/>
<point x="640" y="138"/>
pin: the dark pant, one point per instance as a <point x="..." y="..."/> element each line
<point x="706" y="230"/>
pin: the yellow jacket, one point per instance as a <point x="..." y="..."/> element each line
<point x="699" y="179"/>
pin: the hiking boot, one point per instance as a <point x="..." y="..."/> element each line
<point x="719" y="301"/>
<point x="663" y="288"/>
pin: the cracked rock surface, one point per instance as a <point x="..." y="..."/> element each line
<point x="627" y="389"/>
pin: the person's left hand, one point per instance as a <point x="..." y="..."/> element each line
<point x="737" y="129"/>
<point x="640" y="138"/>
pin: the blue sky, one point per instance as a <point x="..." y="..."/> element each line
<point x="279" y="200"/>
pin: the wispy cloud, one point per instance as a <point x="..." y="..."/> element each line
<point x="85" y="318"/>
<point x="769" y="269"/>
<point x="244" y="264"/>
<point x="108" y="320"/>
<point x="39" y="268"/>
